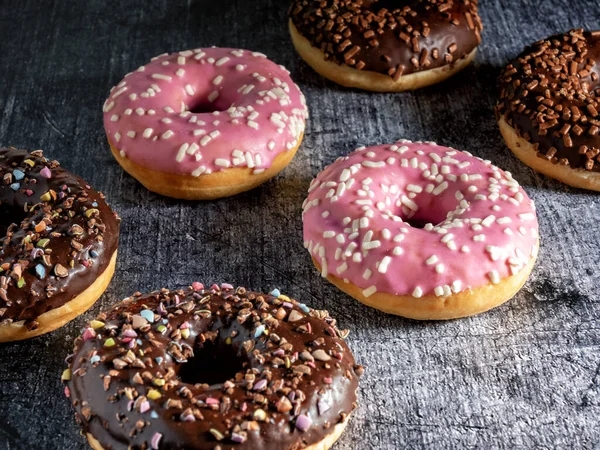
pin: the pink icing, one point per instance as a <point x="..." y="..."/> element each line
<point x="256" y="113"/>
<point x="480" y="226"/>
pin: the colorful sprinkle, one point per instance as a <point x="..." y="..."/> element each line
<point x="45" y="172"/>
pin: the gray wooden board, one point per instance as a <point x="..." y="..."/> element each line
<point x="524" y="375"/>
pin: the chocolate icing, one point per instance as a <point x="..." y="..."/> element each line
<point x="549" y="95"/>
<point x="298" y="377"/>
<point x="58" y="235"/>
<point x="392" y="37"/>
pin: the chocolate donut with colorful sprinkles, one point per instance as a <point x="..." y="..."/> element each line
<point x="59" y="245"/>
<point x="212" y="368"/>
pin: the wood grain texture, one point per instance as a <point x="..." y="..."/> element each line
<point x="524" y="375"/>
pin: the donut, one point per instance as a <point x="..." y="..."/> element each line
<point x="58" y="245"/>
<point x="212" y="368"/>
<point x="420" y="230"/>
<point x="549" y="109"/>
<point x="385" y="45"/>
<point x="205" y="123"/>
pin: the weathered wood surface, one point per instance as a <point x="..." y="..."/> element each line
<point x="524" y="375"/>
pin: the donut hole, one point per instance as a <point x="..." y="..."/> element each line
<point x="214" y="362"/>
<point x="8" y="216"/>
<point x="203" y="106"/>
<point x="431" y="210"/>
<point x="417" y="223"/>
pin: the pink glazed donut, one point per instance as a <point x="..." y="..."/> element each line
<point x="205" y="123"/>
<point x="421" y="230"/>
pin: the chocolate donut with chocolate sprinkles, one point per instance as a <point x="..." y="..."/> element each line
<point x="386" y="45"/>
<point x="58" y="248"/>
<point x="218" y="368"/>
<point x="549" y="107"/>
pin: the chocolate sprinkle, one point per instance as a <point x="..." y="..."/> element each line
<point x="390" y="37"/>
<point x="43" y="262"/>
<point x="549" y="95"/>
<point x="131" y="393"/>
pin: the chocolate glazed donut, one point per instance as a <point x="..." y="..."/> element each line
<point x="58" y="247"/>
<point x="549" y="110"/>
<point x="217" y="368"/>
<point x="396" y="39"/>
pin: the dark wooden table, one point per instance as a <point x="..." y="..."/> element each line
<point x="524" y="375"/>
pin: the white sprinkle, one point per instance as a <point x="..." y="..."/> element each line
<point x="148" y="132"/>
<point x="342" y="268"/>
<point x="493" y="251"/>
<point x="109" y="107"/>
<point x="409" y="203"/>
<point x="189" y="90"/>
<point x="367" y="274"/>
<point x="383" y="265"/>
<point x="181" y="60"/>
<point x="488" y="220"/>
<point x="369" y="291"/>
<point x="114" y="118"/>
<point x="323" y="267"/>
<point x="218" y="79"/>
<point x="435" y="157"/>
<point x="479" y="237"/>
<point x="213" y="96"/>
<point x="373" y="164"/>
<point x="440" y="188"/>
<point x="345" y="175"/>
<point x="181" y="152"/>
<point x="439" y="268"/>
<point x="222" y="61"/>
<point x="253" y="124"/>
<point x="456" y="285"/>
<point x="414" y="187"/>
<point x="418" y="292"/>
<point x="117" y="136"/>
<point x="131" y="134"/>
<point x="328" y="234"/>
<point x="222" y="162"/>
<point x="167" y="134"/>
<point x="193" y="148"/>
<point x="447" y="238"/>
<point x="494" y="277"/>
<point x="160" y="76"/>
<point x="199" y="132"/>
<point x="431" y="260"/>
<point x="439" y="291"/>
<point x="527" y="216"/>
<point x="239" y="67"/>
<point x="199" y="171"/>
<point x="397" y="251"/>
